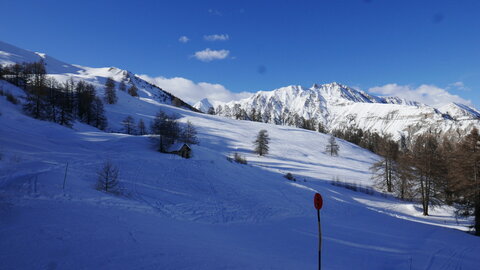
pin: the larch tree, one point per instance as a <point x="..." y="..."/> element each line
<point x="167" y="129"/>
<point x="129" y="125"/>
<point x="110" y="94"/>
<point x="67" y="103"/>
<point x="425" y="164"/>
<point x="107" y="178"/>
<point x="142" y="129"/>
<point x="385" y="170"/>
<point x="189" y="134"/>
<point x="261" y="143"/>
<point x="84" y="96"/>
<point x="35" y="80"/>
<point x="98" y="112"/>
<point x="467" y="171"/>
<point x="332" y="147"/>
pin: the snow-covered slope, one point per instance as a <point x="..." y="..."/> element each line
<point x="61" y="71"/>
<point x="338" y="106"/>
<point x="460" y="112"/>
<point x="204" y="212"/>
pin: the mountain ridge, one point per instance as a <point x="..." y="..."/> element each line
<point x="62" y="71"/>
<point x="337" y="106"/>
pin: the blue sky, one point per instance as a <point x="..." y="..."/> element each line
<point x="416" y="49"/>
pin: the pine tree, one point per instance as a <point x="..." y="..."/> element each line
<point x="261" y="143"/>
<point x="133" y="91"/>
<point x="129" y="125"/>
<point x="142" y="130"/>
<point x="332" y="147"/>
<point x="110" y="94"/>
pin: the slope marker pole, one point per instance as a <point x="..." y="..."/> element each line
<point x="318" y="203"/>
<point x="65" y="178"/>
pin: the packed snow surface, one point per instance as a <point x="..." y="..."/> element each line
<point x="205" y="212"/>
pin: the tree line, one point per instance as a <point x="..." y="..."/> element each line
<point x="48" y="99"/>
<point x="287" y="118"/>
<point x="62" y="103"/>
<point x="429" y="168"/>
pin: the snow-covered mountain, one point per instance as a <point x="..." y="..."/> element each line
<point x="205" y="212"/>
<point x="203" y="105"/>
<point x="62" y="71"/>
<point x="337" y="106"/>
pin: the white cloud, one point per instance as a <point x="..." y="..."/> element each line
<point x="208" y="55"/>
<point x="215" y="37"/>
<point x="458" y="86"/>
<point x="214" y="12"/>
<point x="192" y="92"/>
<point x="183" y="39"/>
<point x="427" y="94"/>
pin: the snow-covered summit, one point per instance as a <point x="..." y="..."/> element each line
<point x="339" y="93"/>
<point x="203" y="105"/>
<point x="338" y="106"/>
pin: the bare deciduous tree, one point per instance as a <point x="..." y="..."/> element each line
<point x="108" y="178"/>
<point x="129" y="125"/>
<point x="142" y="130"/>
<point x="189" y="134"/>
<point x="385" y="170"/>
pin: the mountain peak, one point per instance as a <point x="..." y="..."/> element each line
<point x="203" y="105"/>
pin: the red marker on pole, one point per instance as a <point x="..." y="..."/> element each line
<point x="318" y="203"/>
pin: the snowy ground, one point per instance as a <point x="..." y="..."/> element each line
<point x="205" y="212"/>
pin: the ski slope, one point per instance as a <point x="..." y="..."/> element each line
<point x="204" y="212"/>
